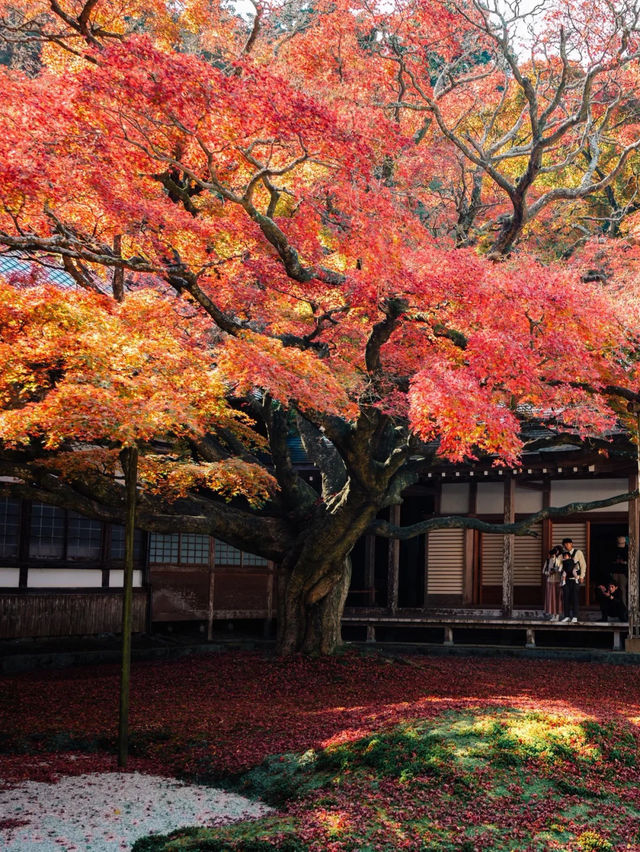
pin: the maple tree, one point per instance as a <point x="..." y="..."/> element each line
<point x="263" y="207"/>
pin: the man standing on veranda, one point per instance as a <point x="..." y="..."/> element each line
<point x="581" y="574"/>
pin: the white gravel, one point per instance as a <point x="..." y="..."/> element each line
<point x="107" y="812"/>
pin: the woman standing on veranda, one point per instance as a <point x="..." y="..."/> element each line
<point x="551" y="578"/>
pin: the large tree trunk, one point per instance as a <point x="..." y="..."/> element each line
<point x="316" y="574"/>
<point x="311" y="601"/>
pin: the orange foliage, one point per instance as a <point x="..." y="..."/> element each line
<point x="275" y="186"/>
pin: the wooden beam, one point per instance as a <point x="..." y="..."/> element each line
<point x="268" y="622"/>
<point x="546" y="523"/>
<point x="633" y="585"/>
<point x="394" y="562"/>
<point x="469" y="578"/>
<point x="210" y="606"/>
<point x="23" y="543"/>
<point x="507" y="561"/>
<point x="370" y="568"/>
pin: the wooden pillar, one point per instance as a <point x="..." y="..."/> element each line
<point x="370" y="569"/>
<point x="471" y="586"/>
<point x="268" y="623"/>
<point x="467" y="578"/>
<point x="212" y="585"/>
<point x="23" y="543"/>
<point x="507" y="561"/>
<point x="394" y="562"/>
<point x="633" y="642"/>
<point x="129" y="462"/>
<point x="547" y="542"/>
<point x="425" y="573"/>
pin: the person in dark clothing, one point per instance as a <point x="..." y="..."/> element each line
<point x="575" y="575"/>
<point x="610" y="600"/>
<point x="620" y="567"/>
<point x="570" y="587"/>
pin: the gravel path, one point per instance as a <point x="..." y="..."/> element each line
<point x="107" y="812"/>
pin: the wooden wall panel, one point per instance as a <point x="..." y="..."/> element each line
<point x="491" y="555"/>
<point x="241" y="592"/>
<point x="527" y="559"/>
<point x="67" y="614"/>
<point x="445" y="562"/>
<point x="578" y="532"/>
<point x="179" y="594"/>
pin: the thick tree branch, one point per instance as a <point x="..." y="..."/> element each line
<point x="387" y="530"/>
<point x="382" y="331"/>
<point x="324" y="455"/>
<point x="261" y="534"/>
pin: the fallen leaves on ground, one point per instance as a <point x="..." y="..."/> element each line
<point x="365" y="752"/>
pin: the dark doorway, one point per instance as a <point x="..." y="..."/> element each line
<point x="412" y="556"/>
<point x="361" y="594"/>
<point x="602" y="549"/>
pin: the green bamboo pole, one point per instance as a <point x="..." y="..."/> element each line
<point x="129" y="460"/>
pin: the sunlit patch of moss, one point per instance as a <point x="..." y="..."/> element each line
<point x="591" y="841"/>
<point x="334" y="823"/>
<point x="517" y="738"/>
<point x="529" y="780"/>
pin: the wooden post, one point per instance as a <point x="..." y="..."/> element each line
<point x="268" y="624"/>
<point x="370" y="569"/>
<point x="633" y="584"/>
<point x="394" y="562"/>
<point x="212" y="587"/>
<point x="129" y="461"/>
<point x="633" y="590"/>
<point x="467" y="577"/>
<point x="23" y="544"/>
<point x="507" y="562"/>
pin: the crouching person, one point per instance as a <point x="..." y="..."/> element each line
<point x="611" y="604"/>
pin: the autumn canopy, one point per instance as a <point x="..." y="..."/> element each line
<point x="397" y="230"/>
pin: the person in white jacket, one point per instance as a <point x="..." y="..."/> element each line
<point x="575" y="574"/>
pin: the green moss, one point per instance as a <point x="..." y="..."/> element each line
<point x="397" y="787"/>
<point x="263" y="835"/>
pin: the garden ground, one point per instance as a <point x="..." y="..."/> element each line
<point x="358" y="752"/>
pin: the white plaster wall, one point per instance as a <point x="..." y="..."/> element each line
<point x="9" y="577"/>
<point x="63" y="578"/>
<point x="490" y="498"/>
<point x="116" y="579"/>
<point x="454" y="498"/>
<point x="581" y="490"/>
<point x="528" y="500"/>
